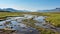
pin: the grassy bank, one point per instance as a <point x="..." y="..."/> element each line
<point x="52" y="17"/>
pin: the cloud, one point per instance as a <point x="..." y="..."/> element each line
<point x="16" y="7"/>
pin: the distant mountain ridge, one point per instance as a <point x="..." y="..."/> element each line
<point x="51" y="10"/>
<point x="14" y="10"/>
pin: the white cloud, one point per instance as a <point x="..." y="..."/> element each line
<point x="15" y="7"/>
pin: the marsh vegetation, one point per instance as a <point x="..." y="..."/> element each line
<point x="42" y="23"/>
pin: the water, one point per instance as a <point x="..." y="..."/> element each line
<point x="16" y="21"/>
<point x="16" y="24"/>
<point x="41" y="21"/>
<point x="40" y="18"/>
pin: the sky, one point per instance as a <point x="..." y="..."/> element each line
<point x="30" y="4"/>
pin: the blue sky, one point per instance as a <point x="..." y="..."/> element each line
<point x="30" y="4"/>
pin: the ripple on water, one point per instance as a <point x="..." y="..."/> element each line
<point x="22" y="27"/>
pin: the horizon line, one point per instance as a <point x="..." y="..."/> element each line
<point x="28" y="9"/>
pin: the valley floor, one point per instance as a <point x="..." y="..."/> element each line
<point x="43" y="25"/>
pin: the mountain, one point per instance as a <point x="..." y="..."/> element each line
<point x="9" y="9"/>
<point x="51" y="10"/>
<point x="12" y="10"/>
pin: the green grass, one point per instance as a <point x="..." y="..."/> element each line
<point x="4" y="14"/>
<point x="53" y="18"/>
<point x="30" y="22"/>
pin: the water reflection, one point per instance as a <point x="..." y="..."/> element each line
<point x="15" y="23"/>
